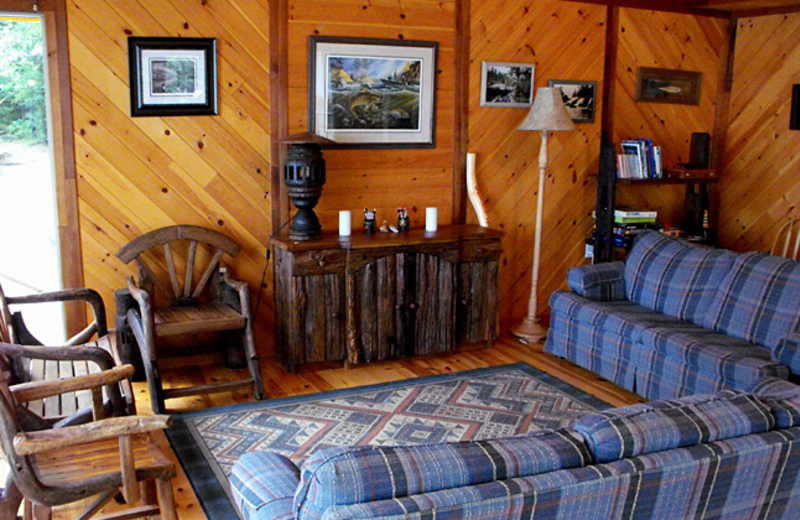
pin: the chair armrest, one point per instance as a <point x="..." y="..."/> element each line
<point x="89" y="296"/>
<point x="787" y="352"/>
<point x="599" y="282"/>
<point x="29" y="443"/>
<point x="234" y="293"/>
<point x="141" y="296"/>
<point x="97" y="355"/>
<point x="34" y="390"/>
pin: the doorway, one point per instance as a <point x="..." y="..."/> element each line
<point x="30" y="261"/>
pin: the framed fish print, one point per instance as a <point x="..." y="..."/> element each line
<point x="371" y="93"/>
<point x="668" y="86"/>
<point x="172" y="76"/>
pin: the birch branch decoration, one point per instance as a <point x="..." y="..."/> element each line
<point x="472" y="191"/>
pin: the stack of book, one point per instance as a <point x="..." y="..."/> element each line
<point x="639" y="160"/>
<point x="628" y="223"/>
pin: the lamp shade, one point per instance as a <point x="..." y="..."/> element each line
<point x="548" y="112"/>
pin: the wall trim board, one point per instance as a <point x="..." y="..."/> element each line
<point x="461" y="112"/>
<point x="279" y="106"/>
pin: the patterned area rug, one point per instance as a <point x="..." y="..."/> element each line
<point x="474" y="404"/>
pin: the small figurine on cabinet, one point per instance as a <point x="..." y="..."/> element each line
<point x="369" y="221"/>
<point x="402" y="219"/>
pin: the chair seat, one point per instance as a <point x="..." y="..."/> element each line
<point x="199" y="318"/>
<point x="62" y="467"/>
<point x="64" y="405"/>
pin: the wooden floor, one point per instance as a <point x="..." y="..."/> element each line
<point x="280" y="383"/>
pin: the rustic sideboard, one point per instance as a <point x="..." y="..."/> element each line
<point x="388" y="295"/>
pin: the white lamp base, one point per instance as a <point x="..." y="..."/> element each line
<point x="530" y="331"/>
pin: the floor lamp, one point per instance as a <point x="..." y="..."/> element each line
<point x="548" y="114"/>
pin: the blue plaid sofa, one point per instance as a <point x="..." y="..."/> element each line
<point x="676" y="319"/>
<point x="732" y="454"/>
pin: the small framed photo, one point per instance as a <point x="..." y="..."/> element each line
<point x="668" y="86"/>
<point x="373" y="93"/>
<point x="580" y="98"/>
<point x="172" y="76"/>
<point x="794" y="117"/>
<point x="507" y="84"/>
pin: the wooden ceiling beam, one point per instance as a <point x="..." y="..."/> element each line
<point x="766" y="11"/>
<point x="670" y="6"/>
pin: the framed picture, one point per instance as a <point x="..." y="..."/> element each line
<point x="370" y="93"/>
<point x="580" y="98"/>
<point x="668" y="86"/>
<point x="794" y="117"/>
<point x="173" y="76"/>
<point x="506" y="84"/>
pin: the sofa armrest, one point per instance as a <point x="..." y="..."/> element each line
<point x="600" y="282"/>
<point x="787" y="352"/>
<point x="782" y="397"/>
<point x="263" y="485"/>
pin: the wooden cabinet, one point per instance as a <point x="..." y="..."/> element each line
<point x="384" y="296"/>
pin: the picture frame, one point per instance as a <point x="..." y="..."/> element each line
<point x="668" y="86"/>
<point x="507" y="85"/>
<point x="172" y="76"/>
<point x="372" y="93"/>
<point x="580" y="98"/>
<point x="794" y="116"/>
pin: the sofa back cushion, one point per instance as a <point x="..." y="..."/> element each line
<point x="638" y="429"/>
<point x="341" y="476"/>
<point x="673" y="277"/>
<point x="758" y="301"/>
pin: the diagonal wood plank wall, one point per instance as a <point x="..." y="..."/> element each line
<point x="138" y="174"/>
<point x="760" y="186"/>
<point x="668" y="41"/>
<point x="565" y="41"/>
<point x="143" y="173"/>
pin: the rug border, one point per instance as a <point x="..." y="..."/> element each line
<point x="217" y="505"/>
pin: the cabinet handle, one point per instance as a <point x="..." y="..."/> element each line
<point x="398" y="307"/>
<point x="321" y="262"/>
<point x="464" y="302"/>
<point x="412" y="306"/>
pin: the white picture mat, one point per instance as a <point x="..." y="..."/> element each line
<point x="200" y="94"/>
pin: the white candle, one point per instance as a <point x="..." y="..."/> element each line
<point x="344" y="223"/>
<point x="430" y="220"/>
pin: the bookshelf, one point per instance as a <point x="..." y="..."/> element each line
<point x="695" y="204"/>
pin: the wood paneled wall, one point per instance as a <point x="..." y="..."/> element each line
<point x="760" y="187"/>
<point x="138" y="174"/>
<point x="668" y="41"/>
<point x="565" y="41"/>
<point x="384" y="179"/>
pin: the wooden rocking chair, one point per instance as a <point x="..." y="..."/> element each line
<point x="787" y="241"/>
<point x="29" y="362"/>
<point x="59" y="466"/>
<point x="215" y="303"/>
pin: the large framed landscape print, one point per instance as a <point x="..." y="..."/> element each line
<point x="369" y="93"/>
<point x="172" y="76"/>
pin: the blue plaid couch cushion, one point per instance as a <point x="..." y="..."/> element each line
<point x="638" y="429"/>
<point x="263" y="485"/>
<point x="788" y="352"/>
<point x="599" y="282"/>
<point x="734" y="362"/>
<point x="673" y="277"/>
<point x="754" y="476"/>
<point x="338" y="476"/>
<point x="759" y="300"/>
<point x="782" y="398"/>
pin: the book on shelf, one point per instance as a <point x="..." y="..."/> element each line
<point x="631" y="212"/>
<point x="639" y="160"/>
<point x="633" y="220"/>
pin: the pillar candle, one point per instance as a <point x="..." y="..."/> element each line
<point x="430" y="219"/>
<point x="344" y="223"/>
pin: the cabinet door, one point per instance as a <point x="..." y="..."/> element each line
<point x="403" y="305"/>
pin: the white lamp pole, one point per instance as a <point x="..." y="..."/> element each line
<point x="548" y="114"/>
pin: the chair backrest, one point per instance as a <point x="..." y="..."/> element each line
<point x="162" y="253"/>
<point x="787" y="241"/>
